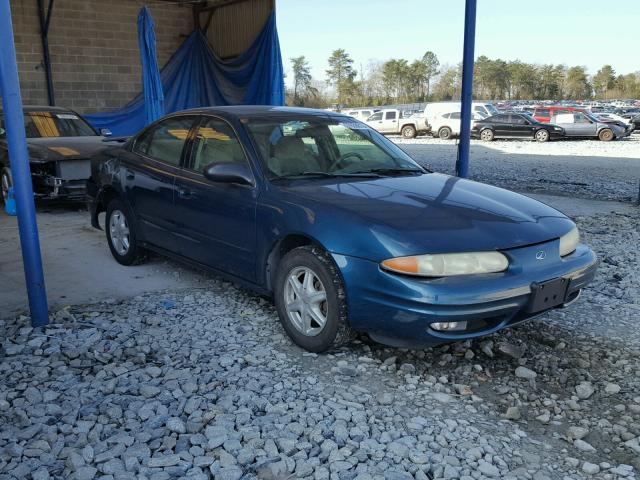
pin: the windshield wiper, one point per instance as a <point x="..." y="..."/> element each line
<point x="391" y="171"/>
<point x="367" y="174"/>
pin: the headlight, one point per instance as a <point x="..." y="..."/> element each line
<point x="569" y="242"/>
<point x="446" y="264"/>
<point x="557" y="128"/>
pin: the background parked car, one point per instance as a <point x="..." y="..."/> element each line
<point x="545" y="113"/>
<point x="61" y="144"/>
<point x="584" y="125"/>
<point x="447" y="125"/>
<point x="391" y="122"/>
<point x="433" y="110"/>
<point x="361" y="114"/>
<point x="515" y="125"/>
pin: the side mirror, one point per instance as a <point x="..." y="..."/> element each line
<point x="229" y="172"/>
<point x="105" y="132"/>
<point x="2" y="132"/>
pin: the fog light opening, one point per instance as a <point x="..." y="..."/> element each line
<point x="449" y="326"/>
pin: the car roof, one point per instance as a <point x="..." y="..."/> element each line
<point x="261" y="111"/>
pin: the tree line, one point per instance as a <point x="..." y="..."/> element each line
<point x="425" y="79"/>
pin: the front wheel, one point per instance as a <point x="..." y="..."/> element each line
<point x="606" y="135"/>
<point x="542" y="135"/>
<point x="486" y="135"/>
<point x="6" y="182"/>
<point x="120" y="227"/>
<point x="409" y="131"/>
<point x="310" y="299"/>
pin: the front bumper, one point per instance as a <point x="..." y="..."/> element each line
<point x="398" y="310"/>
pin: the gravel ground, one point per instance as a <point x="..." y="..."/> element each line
<point x="581" y="168"/>
<point x="203" y="383"/>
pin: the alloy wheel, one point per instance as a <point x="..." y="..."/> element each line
<point x="305" y="300"/>
<point x="486" y="135"/>
<point x="542" y="135"/>
<point x="119" y="232"/>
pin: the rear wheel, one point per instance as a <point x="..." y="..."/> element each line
<point x="409" y="131"/>
<point x="486" y="135"/>
<point x="444" y="133"/>
<point x="120" y="227"/>
<point x="606" y="135"/>
<point x="542" y="135"/>
<point x="6" y="182"/>
<point x="310" y="299"/>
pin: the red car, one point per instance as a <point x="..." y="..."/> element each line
<point x="544" y="114"/>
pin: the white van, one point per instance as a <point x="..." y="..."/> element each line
<point x="436" y="109"/>
<point x="361" y="113"/>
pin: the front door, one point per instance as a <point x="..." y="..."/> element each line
<point x="150" y="169"/>
<point x="521" y="127"/>
<point x="216" y="220"/>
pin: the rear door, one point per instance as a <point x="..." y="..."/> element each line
<point x="216" y="220"/>
<point x="149" y="172"/>
<point x="390" y="121"/>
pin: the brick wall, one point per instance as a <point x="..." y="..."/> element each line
<point x="94" y="50"/>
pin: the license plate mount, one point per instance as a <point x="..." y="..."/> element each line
<point x="549" y="294"/>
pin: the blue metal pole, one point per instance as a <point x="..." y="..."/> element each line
<point x="462" y="164"/>
<point x="19" y="160"/>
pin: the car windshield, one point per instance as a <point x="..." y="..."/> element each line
<point x="323" y="147"/>
<point x="53" y="124"/>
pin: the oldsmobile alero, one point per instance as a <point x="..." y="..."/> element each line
<point x="335" y="222"/>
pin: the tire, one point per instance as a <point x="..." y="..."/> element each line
<point x="606" y="135"/>
<point x="120" y="227"/>
<point x="409" y="131"/>
<point x="444" y="133"/>
<point x="487" y="135"/>
<point x="6" y="181"/>
<point x="542" y="135"/>
<point x="313" y="264"/>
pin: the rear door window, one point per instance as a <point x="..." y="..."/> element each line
<point x="390" y="116"/>
<point x="165" y="141"/>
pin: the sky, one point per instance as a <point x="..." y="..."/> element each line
<point x="574" y="32"/>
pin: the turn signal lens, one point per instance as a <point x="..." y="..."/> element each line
<point x="447" y="264"/>
<point x="569" y="242"/>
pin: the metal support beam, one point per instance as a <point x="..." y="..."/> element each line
<point x="462" y="164"/>
<point x="44" y="36"/>
<point x="19" y="161"/>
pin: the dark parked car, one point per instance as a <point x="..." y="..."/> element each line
<point x="515" y="125"/>
<point x="338" y="224"/>
<point x="61" y="144"/>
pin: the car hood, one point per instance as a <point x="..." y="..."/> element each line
<point x="64" y="148"/>
<point x="431" y="213"/>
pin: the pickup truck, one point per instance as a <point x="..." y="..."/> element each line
<point x="391" y="122"/>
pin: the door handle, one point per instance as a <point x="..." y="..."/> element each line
<point x="186" y="193"/>
<point x="130" y="175"/>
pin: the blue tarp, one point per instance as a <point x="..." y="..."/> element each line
<point x="195" y="77"/>
<point x="151" y="83"/>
